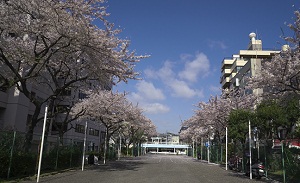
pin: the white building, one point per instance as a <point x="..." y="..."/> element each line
<point x="245" y="63"/>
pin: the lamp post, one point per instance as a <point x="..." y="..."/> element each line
<point x="42" y="144"/>
<point x="84" y="144"/>
<point x="281" y="134"/>
<point x="226" y="154"/>
<point x="250" y="154"/>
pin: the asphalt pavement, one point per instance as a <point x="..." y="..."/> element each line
<point x="150" y="169"/>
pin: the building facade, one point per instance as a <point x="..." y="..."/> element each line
<point x="245" y="63"/>
<point x="16" y="110"/>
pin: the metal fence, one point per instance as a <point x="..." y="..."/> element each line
<point x="281" y="162"/>
<point x="58" y="154"/>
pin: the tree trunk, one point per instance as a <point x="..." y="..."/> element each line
<point x="31" y="125"/>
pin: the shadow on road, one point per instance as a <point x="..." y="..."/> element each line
<point x="120" y="165"/>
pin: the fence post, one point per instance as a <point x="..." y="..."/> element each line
<point x="283" y="168"/>
<point x="221" y="155"/>
<point x="11" y="154"/>
<point x="56" y="162"/>
<point x="71" y="153"/>
<point x="266" y="169"/>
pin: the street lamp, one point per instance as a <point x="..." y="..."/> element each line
<point x="84" y="144"/>
<point x="282" y="134"/>
<point x="250" y="154"/>
<point x="42" y="144"/>
<point x="226" y="154"/>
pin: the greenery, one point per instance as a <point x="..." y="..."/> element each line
<point x="22" y="164"/>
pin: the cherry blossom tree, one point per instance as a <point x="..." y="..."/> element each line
<point x="57" y="46"/>
<point x="193" y="128"/>
<point x="211" y="118"/>
<point x="281" y="76"/>
<point x="115" y="112"/>
<point x="279" y="79"/>
<point x="107" y="108"/>
<point x="136" y="129"/>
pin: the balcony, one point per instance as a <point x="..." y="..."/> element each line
<point x="226" y="81"/>
<point x="226" y="72"/>
<point x="227" y="61"/>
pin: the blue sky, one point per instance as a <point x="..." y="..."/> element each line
<point x="187" y="41"/>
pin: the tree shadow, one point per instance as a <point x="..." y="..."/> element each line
<point x="118" y="165"/>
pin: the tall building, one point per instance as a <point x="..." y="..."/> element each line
<point x="245" y="63"/>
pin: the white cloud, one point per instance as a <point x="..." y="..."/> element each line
<point x="155" y="108"/>
<point x="166" y="71"/>
<point x="145" y="95"/>
<point x="215" y="89"/>
<point x="181" y="89"/>
<point x="214" y="44"/>
<point x="148" y="91"/>
<point x="135" y="97"/>
<point x="199" y="66"/>
<point x="151" y="74"/>
<point x="180" y="86"/>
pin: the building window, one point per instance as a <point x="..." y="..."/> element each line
<point x="66" y="92"/>
<point x="79" y="128"/>
<point x="82" y="95"/>
<point x="238" y="68"/>
<point x="93" y="132"/>
<point x="102" y="136"/>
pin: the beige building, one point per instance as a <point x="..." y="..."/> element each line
<point x="245" y="63"/>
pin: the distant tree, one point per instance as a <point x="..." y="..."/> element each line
<point x="115" y="112"/>
<point x="107" y="108"/>
<point x="212" y="117"/>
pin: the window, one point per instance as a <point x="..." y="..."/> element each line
<point x="102" y="135"/>
<point x="93" y="132"/>
<point x="66" y="92"/>
<point x="82" y="95"/>
<point x="238" y="68"/>
<point x="79" y="128"/>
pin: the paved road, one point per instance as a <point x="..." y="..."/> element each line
<point x="151" y="169"/>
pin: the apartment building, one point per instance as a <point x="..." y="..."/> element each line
<point x="245" y="63"/>
<point x="16" y="110"/>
